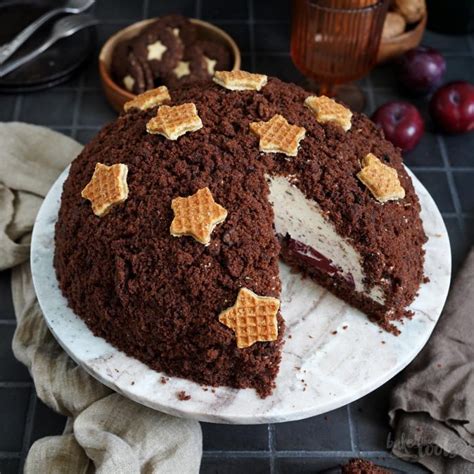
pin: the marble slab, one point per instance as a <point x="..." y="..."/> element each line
<point x="321" y="370"/>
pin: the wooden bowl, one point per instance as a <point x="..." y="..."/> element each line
<point x="392" y="47"/>
<point x="117" y="95"/>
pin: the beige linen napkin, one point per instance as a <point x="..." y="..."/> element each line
<point x="104" y="431"/>
<point x="432" y="409"/>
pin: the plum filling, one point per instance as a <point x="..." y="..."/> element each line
<point x="309" y="258"/>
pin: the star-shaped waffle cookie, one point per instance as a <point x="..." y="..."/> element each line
<point x="328" y="110"/>
<point x="240" y="80"/>
<point x="278" y="136"/>
<point x="107" y="187"/>
<point x="174" y="121"/>
<point x="253" y="318"/>
<point x="196" y="215"/>
<point x="148" y="99"/>
<point x="381" y="180"/>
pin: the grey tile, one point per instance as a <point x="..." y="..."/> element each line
<point x="91" y="75"/>
<point x="307" y="465"/>
<point x="228" y="465"/>
<point x="321" y="433"/>
<point x="95" y="110"/>
<point x="469" y="226"/>
<point x="106" y="30"/>
<point x="183" y="7"/>
<point x="437" y="185"/>
<point x="459" y="69"/>
<point x="272" y="37"/>
<point x="369" y="416"/>
<point x="50" y="107"/>
<point x="384" y="76"/>
<point x="460" y="149"/>
<point x="7" y="106"/>
<point x="86" y="135"/>
<point x="279" y="66"/>
<point x="426" y="153"/>
<point x="217" y="9"/>
<point x="9" y="466"/>
<point x="459" y="246"/>
<point x="6" y="304"/>
<point x="464" y="186"/>
<point x="246" y="62"/>
<point x="46" y="422"/>
<point x="446" y="43"/>
<point x="13" y="409"/>
<point x="114" y="10"/>
<point x="10" y="369"/>
<point x="239" y="33"/>
<point x="272" y="10"/>
<point x="234" y="437"/>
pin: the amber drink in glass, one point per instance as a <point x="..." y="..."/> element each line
<point x="336" y="41"/>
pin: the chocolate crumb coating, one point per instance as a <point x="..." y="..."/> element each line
<point x="363" y="466"/>
<point x="158" y="297"/>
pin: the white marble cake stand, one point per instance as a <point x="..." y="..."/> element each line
<point x="320" y="370"/>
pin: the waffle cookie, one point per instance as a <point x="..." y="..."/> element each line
<point x="107" y="187"/>
<point x="196" y="215"/>
<point x="278" y="136"/>
<point x="253" y="318"/>
<point x="172" y="122"/>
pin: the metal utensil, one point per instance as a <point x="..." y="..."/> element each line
<point x="70" y="6"/>
<point x="64" y="27"/>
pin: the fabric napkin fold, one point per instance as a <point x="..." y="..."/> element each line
<point x="432" y="408"/>
<point x="105" y="432"/>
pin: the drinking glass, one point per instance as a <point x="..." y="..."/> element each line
<point x="336" y="41"/>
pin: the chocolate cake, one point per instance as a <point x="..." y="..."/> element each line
<point x="160" y="297"/>
<point x="363" y="466"/>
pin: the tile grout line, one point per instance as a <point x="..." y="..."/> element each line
<point x="296" y="454"/>
<point x="198" y="9"/>
<point x="17" y="109"/>
<point x="77" y="106"/>
<point x="145" y="9"/>
<point x="370" y="93"/>
<point x="16" y="384"/>
<point x="352" y="431"/>
<point x="7" y="322"/>
<point x="271" y="447"/>
<point x="30" y="416"/>
<point x="452" y="185"/>
<point x="251" y="23"/>
<point x="10" y="455"/>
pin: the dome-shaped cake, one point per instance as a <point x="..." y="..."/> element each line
<point x="172" y="254"/>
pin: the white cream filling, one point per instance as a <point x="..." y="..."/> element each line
<point x="304" y="221"/>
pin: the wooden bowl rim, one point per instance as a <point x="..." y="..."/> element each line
<point x="407" y="34"/>
<point x="139" y="25"/>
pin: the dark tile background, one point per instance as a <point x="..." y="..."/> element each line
<point x="261" y="27"/>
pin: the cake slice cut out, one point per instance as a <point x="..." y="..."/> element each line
<point x="253" y="318"/>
